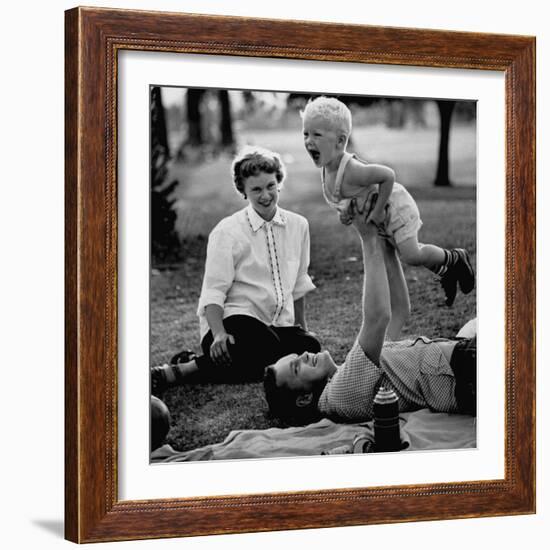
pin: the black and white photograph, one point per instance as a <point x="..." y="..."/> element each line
<point x="133" y="115"/>
<point x="312" y="274"/>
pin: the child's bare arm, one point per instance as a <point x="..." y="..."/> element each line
<point x="363" y="176"/>
<point x="385" y="178"/>
<point x="358" y="205"/>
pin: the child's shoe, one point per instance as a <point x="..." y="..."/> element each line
<point x="465" y="272"/>
<point x="449" y="283"/>
<point x="459" y="273"/>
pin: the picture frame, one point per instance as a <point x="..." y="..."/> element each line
<point x="93" y="511"/>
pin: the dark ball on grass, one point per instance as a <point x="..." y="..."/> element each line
<point x="160" y="422"/>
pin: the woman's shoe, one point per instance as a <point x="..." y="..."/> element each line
<point x="159" y="383"/>
<point x="183" y="356"/>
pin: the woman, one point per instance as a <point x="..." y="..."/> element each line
<point x="252" y="302"/>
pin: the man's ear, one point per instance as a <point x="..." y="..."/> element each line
<point x="304" y="400"/>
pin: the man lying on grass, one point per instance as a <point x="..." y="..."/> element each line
<point x="438" y="374"/>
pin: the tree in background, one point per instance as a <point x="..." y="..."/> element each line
<point x="226" y="120"/>
<point x="194" y="119"/>
<point x="209" y="123"/>
<point x="164" y="241"/>
<point x="445" y="109"/>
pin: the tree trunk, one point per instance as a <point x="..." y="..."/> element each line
<point x="396" y="114"/>
<point x="164" y="240"/>
<point x="226" y="124"/>
<point x="159" y="135"/>
<point x="445" y="113"/>
<point x="194" y="122"/>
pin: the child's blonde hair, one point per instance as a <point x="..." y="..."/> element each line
<point x="332" y="110"/>
<point x="251" y="161"/>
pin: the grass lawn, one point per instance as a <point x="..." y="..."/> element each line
<point x="204" y="414"/>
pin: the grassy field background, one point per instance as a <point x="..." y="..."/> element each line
<point x="205" y="413"/>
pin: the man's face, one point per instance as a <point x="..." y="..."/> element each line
<point x="303" y="372"/>
<point x="321" y="140"/>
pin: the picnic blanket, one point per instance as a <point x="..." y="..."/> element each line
<point x="420" y="430"/>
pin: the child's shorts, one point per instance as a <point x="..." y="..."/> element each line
<point x="402" y="218"/>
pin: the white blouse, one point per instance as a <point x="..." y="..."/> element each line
<point x="257" y="268"/>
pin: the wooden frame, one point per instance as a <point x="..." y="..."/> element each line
<point x="93" y="39"/>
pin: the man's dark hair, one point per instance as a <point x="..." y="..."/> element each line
<point x="282" y="401"/>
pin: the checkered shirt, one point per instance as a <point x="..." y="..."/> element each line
<point x="415" y="369"/>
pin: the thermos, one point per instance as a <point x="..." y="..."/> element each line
<point x="387" y="436"/>
<point x="386" y="421"/>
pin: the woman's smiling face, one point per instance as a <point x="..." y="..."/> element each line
<point x="262" y="192"/>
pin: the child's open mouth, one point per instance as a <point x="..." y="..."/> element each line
<point x="314" y="155"/>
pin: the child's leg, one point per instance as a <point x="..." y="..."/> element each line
<point x="414" y="253"/>
<point x="453" y="266"/>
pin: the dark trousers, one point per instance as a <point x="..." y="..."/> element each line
<point x="464" y="367"/>
<point x="257" y="345"/>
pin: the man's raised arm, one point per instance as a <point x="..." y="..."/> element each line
<point x="399" y="292"/>
<point x="376" y="293"/>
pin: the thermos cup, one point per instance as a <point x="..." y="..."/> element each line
<point x="386" y="421"/>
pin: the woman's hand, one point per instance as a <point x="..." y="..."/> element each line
<point x="219" y="351"/>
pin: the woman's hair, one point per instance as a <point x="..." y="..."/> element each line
<point x="282" y="401"/>
<point x="332" y="110"/>
<point x="253" y="160"/>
